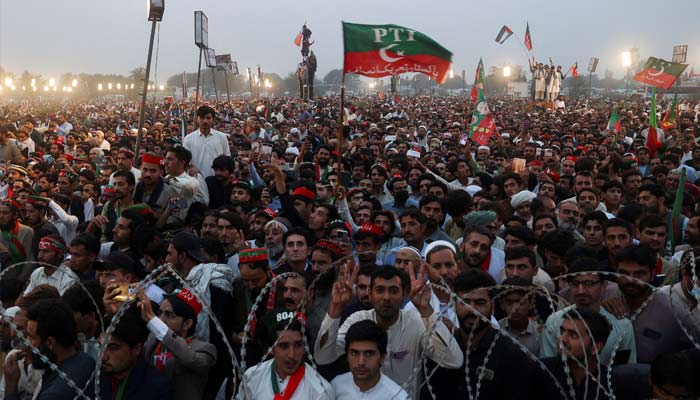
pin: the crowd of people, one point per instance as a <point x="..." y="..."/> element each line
<point x="276" y="250"/>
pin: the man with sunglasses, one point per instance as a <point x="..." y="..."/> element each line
<point x="587" y="285"/>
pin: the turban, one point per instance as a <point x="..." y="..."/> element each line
<point x="521" y="197"/>
<point x="475" y="218"/>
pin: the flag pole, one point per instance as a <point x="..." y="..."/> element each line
<point x="340" y="124"/>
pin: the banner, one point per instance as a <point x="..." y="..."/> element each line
<point x="201" y="30"/>
<point x="660" y="73"/>
<point x="210" y="58"/>
<point x="223" y="62"/>
<point x="483" y="125"/>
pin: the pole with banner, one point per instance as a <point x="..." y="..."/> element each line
<point x="223" y="63"/>
<point x="201" y="39"/>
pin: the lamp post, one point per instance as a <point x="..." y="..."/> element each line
<point x="506" y="74"/>
<point x="156" y="8"/>
<point x="627" y="63"/>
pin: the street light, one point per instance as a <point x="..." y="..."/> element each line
<point x="52" y="82"/>
<point x="99" y="87"/>
<point x="8" y="81"/>
<point x="452" y="73"/>
<point x="74" y="83"/>
<point x="109" y="86"/>
<point x="33" y="82"/>
<point x="46" y="88"/>
<point x="627" y="63"/>
<point x="506" y="71"/>
<point x="155" y="10"/>
<point x="161" y="87"/>
<point x="119" y="86"/>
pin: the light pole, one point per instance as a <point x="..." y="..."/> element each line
<point x="627" y="63"/>
<point x="156" y="8"/>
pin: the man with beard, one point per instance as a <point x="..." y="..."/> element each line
<point x="431" y="208"/>
<point x="656" y="330"/>
<point x="125" y="162"/>
<point x="51" y="329"/>
<point x="366" y="350"/>
<point x="413" y="232"/>
<point x="220" y="185"/>
<point x="52" y="272"/>
<point x="398" y="187"/>
<point x="35" y="217"/>
<point x="212" y="285"/>
<point x="581" y="339"/>
<point x="274" y="232"/>
<point x="16" y="237"/>
<point x="653" y="199"/>
<point x="497" y="368"/>
<point x="568" y="214"/>
<point x="442" y="268"/>
<point x="323" y="159"/>
<point x="478" y="252"/>
<point x="126" y="373"/>
<point x="406" y="329"/>
<point x="587" y="286"/>
<point x="122" y="199"/>
<point x="205" y="143"/>
<point x="151" y="188"/>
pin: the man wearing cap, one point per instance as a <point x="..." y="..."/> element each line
<point x="35" y="217"/>
<point x="368" y="241"/>
<point x="212" y="285"/>
<point x="151" y="189"/>
<point x="16" y="238"/>
<point x="125" y="162"/>
<point x="173" y="348"/>
<point x="206" y="143"/>
<point x="52" y="272"/>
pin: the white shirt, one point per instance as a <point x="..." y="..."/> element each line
<point x="406" y="346"/>
<point x="205" y="148"/>
<point x="191" y="188"/>
<point x="66" y="224"/>
<point x="62" y="279"/>
<point x="256" y="384"/>
<point x="27" y="144"/>
<point x="346" y="389"/>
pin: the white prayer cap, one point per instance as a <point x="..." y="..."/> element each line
<point x="294" y="131"/>
<point x="292" y="150"/>
<point x="473" y="189"/>
<point x="437" y="243"/>
<point x="10" y="312"/>
<point x="483" y="148"/>
<point x="521" y="197"/>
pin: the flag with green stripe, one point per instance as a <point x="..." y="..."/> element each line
<point x="384" y="50"/>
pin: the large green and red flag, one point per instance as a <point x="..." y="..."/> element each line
<point x="483" y="125"/>
<point x="660" y="73"/>
<point x="614" y="122"/>
<point x="652" y="109"/>
<point x="478" y="81"/>
<point x="671" y="116"/>
<point x="385" y="50"/>
<point x="676" y="213"/>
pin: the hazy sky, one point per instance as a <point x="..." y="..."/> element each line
<point x="111" y="36"/>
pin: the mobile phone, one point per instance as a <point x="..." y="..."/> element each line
<point x="342" y="235"/>
<point x="519" y="165"/>
<point x="60" y="165"/>
<point x="126" y="292"/>
<point x="255" y="147"/>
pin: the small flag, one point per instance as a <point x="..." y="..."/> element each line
<point x="614" y="122"/>
<point x="671" y="115"/>
<point x="676" y="214"/>
<point x="528" y="38"/>
<point x="574" y="70"/>
<point x="504" y="34"/>
<point x="483" y="124"/>
<point x="297" y="41"/>
<point x="652" y="142"/>
<point x="385" y="50"/>
<point x="478" y="81"/>
<point x="660" y="73"/>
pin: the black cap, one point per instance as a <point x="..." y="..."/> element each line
<point x="190" y="244"/>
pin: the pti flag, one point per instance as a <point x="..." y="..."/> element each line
<point x="614" y="122"/>
<point x="385" y="50"/>
<point x="660" y="73"/>
<point x="528" y="38"/>
<point x="652" y="143"/>
<point x="671" y="115"/>
<point x="478" y="81"/>
<point x="297" y="41"/>
<point x="504" y="34"/>
<point x="483" y="124"/>
<point x="574" y="70"/>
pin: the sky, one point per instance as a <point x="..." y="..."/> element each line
<point x="111" y="36"/>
